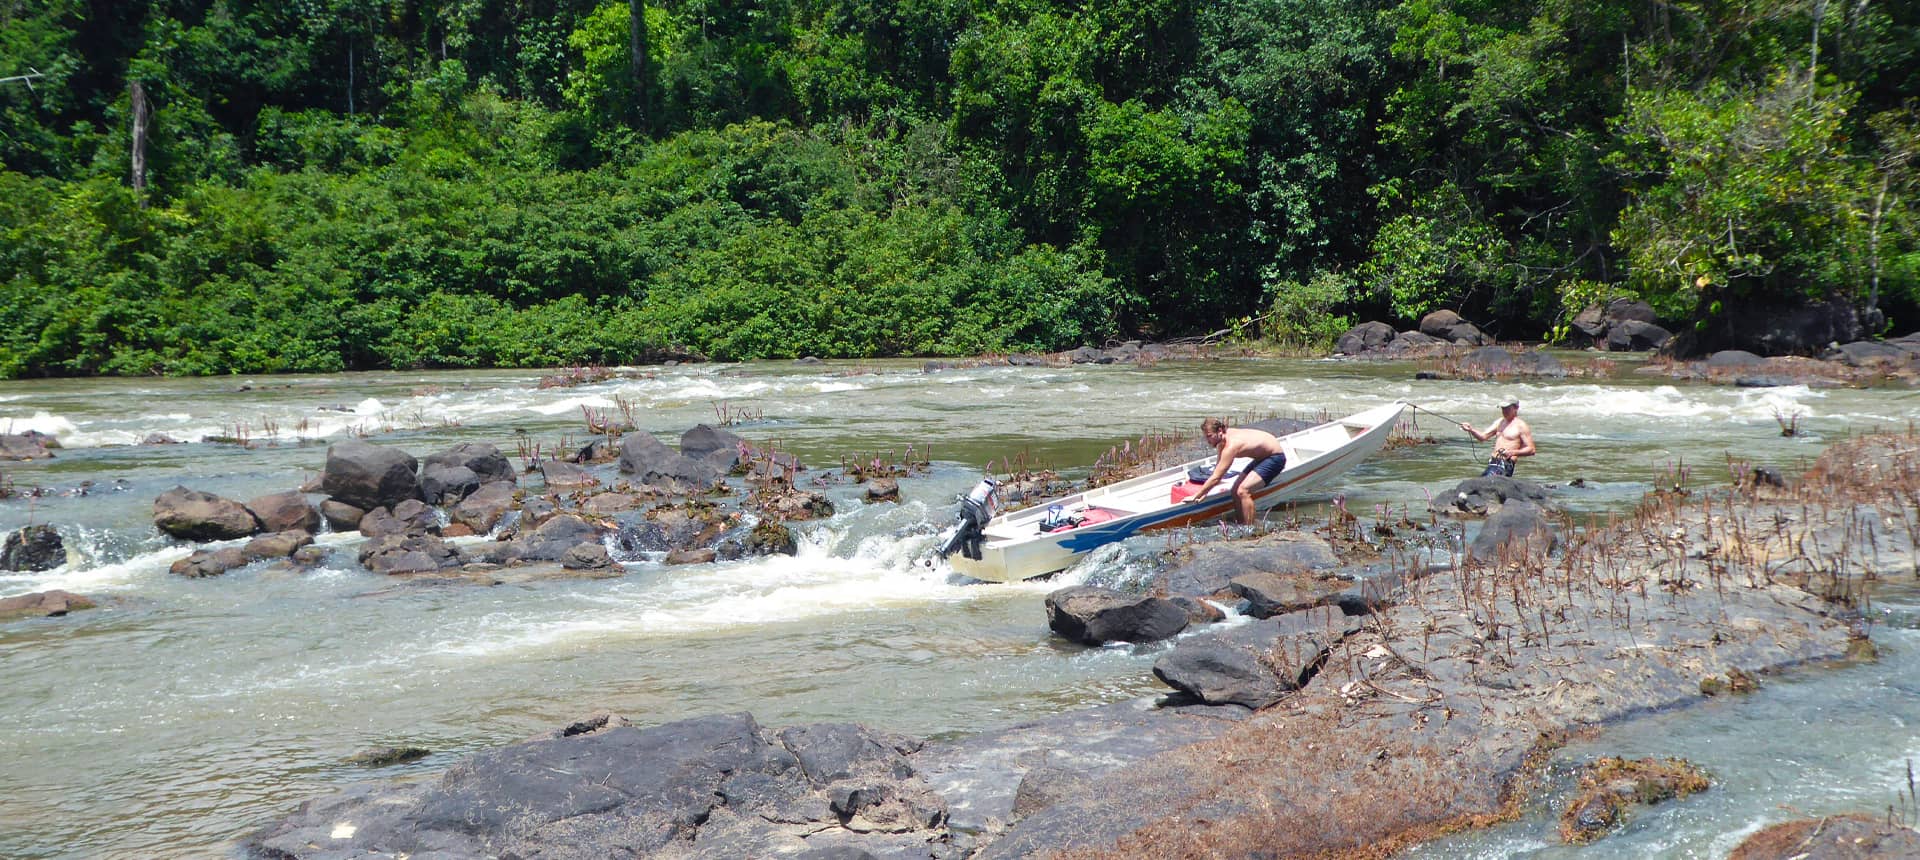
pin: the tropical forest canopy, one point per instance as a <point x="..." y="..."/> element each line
<point x="194" y="187"/>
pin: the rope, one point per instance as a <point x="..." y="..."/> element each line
<point x="1475" y="452"/>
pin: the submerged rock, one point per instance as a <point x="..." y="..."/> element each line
<point x="41" y="604"/>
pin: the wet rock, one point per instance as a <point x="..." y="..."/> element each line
<point x="561" y="476"/>
<point x="340" y="516"/>
<point x="33" y="548"/>
<point x="554" y="538"/>
<point x="42" y="604"/>
<point x="1609" y="786"/>
<point x="1198" y="611"/>
<point x="194" y="515"/>
<point x="1534" y="362"/>
<point x="403" y="553"/>
<point x="777" y="499"/>
<point x="203" y="563"/>
<point x="158" y="439"/>
<point x="586" y="556"/>
<point x="286" y="511"/>
<point x="411" y="517"/>
<point x="277" y="545"/>
<point x="1481" y="496"/>
<point x="1253" y="665"/>
<point x="384" y="756"/>
<point x="1865" y="353"/>
<point x="23" y="446"/>
<point x="767" y="537"/>
<point x="1839" y="837"/>
<point x="369" y="476"/>
<point x="482" y="509"/>
<point x="882" y="490"/>
<point x="1092" y="615"/>
<point x="690" y="556"/>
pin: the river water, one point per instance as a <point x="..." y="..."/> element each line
<point x="186" y="712"/>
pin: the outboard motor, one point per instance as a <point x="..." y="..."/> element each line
<point x="970" y="522"/>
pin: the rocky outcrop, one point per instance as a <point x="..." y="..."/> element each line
<point x="1208" y="569"/>
<point x="1517" y="529"/>
<point x="1091" y="615"/>
<point x="395" y="554"/>
<point x="369" y="476"/>
<point x="1771" y="330"/>
<point x="411" y="517"/>
<point x="882" y="490"/>
<point x="194" y="515"/>
<point x="34" y="548"/>
<point x="42" y="604"/>
<point x="207" y="563"/>
<point x="717" y="786"/>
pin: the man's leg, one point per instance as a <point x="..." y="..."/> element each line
<point x="1243" y="492"/>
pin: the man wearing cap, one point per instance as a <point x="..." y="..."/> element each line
<point x="1515" y="438"/>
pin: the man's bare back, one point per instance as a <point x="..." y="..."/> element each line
<point x="1234" y="443"/>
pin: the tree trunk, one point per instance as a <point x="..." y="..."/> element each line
<point x="137" y="95"/>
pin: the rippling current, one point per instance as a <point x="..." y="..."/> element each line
<point x="186" y="712"/>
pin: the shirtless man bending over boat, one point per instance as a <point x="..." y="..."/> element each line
<point x="1237" y="442"/>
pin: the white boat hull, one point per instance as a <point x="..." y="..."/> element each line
<point x="1014" y="548"/>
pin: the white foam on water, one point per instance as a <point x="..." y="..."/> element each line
<point x="115" y="576"/>
<point x="831" y="387"/>
<point x="42" y="421"/>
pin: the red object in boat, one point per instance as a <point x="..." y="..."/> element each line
<point x="1184" y="490"/>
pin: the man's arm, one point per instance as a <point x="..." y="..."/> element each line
<point x="1228" y="451"/>
<point x="1482" y="437"/>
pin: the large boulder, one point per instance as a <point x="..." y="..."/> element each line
<point x="42" y="604"/>
<point x="369" y="476"/>
<point x="446" y="483"/>
<point x="1636" y="336"/>
<point x="411" y="517"/>
<point x="553" y="539"/>
<point x="1364" y="338"/>
<point x="1253" y="665"/>
<point x="194" y="515"/>
<point x="1592" y="326"/>
<point x="1769" y="329"/>
<point x="340" y="516"/>
<point x="36" y="547"/>
<point x="482" y="509"/>
<point x="1448" y="326"/>
<point x="652" y="463"/>
<point x="286" y="511"/>
<point x="1518" y="529"/>
<point x="1092" y="615"/>
<point x="705" y="439"/>
<point x="483" y="460"/>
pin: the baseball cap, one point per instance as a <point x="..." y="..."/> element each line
<point x="1507" y="400"/>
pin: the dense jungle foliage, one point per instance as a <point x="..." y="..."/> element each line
<point x="212" y="186"/>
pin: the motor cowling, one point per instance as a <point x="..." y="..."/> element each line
<point x="970" y="521"/>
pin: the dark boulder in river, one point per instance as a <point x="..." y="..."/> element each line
<point x="369" y="476"/>
<point x="36" y="547"/>
<point x="1092" y="615"/>
<point x="194" y="515"/>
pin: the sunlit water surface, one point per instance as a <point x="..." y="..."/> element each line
<point x="186" y="712"/>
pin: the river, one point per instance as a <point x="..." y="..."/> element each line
<point x="186" y="712"/>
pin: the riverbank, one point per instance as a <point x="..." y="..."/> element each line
<point x="1421" y="718"/>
